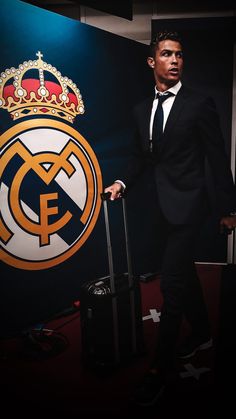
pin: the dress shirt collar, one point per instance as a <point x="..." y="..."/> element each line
<point x="174" y="89"/>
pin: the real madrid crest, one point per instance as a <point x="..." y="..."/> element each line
<point x="50" y="179"/>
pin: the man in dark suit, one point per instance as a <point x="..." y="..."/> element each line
<point x="190" y="133"/>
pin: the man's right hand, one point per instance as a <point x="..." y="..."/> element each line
<point x="115" y="189"/>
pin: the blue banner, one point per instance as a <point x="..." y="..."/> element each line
<point x="66" y="93"/>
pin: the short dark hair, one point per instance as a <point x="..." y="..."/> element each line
<point x="162" y="36"/>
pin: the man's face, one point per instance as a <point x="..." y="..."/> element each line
<point x="168" y="62"/>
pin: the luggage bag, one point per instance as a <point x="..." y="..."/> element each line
<point x="111" y="310"/>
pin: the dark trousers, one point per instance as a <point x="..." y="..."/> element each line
<point x="181" y="289"/>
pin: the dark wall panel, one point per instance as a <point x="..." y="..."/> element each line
<point x="208" y="66"/>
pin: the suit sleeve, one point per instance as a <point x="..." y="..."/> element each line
<point x="136" y="159"/>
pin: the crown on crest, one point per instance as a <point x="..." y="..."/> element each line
<point x="23" y="92"/>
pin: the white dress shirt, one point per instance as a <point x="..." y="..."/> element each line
<point x="167" y="104"/>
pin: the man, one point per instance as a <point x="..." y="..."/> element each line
<point x="190" y="133"/>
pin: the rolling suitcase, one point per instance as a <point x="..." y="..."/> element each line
<point x="111" y="311"/>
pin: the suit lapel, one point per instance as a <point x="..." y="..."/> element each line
<point x="145" y="114"/>
<point x="174" y="113"/>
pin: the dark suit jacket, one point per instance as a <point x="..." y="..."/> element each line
<point x="192" y="134"/>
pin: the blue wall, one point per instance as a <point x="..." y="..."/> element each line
<point x="112" y="75"/>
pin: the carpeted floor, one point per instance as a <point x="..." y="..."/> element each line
<point x="46" y="375"/>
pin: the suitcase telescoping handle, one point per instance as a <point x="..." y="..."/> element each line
<point x="105" y="196"/>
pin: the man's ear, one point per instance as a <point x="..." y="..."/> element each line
<point x="151" y="62"/>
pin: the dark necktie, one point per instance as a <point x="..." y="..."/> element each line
<point x="157" y="130"/>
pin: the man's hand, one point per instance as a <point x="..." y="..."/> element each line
<point x="228" y="223"/>
<point x="116" y="191"/>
